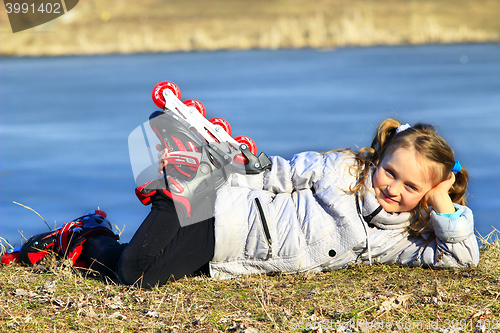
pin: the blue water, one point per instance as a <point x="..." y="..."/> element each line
<point x="65" y="121"/>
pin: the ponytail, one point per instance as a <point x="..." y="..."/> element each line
<point x="370" y="156"/>
<point x="385" y="133"/>
<point x="458" y="192"/>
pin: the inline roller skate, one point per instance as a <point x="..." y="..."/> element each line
<point x="65" y="241"/>
<point x="202" y="154"/>
<point x="166" y="95"/>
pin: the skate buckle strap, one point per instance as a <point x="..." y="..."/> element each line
<point x="63" y="236"/>
<point x="255" y="164"/>
<point x="75" y="233"/>
<point x="145" y="192"/>
<point x="37" y="247"/>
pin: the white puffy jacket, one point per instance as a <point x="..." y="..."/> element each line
<point x="297" y="217"/>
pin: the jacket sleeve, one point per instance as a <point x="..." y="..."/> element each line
<point x="327" y="175"/>
<point x="417" y="251"/>
<point x="453" y="229"/>
<point x="303" y="171"/>
<point x="453" y="244"/>
<point x="306" y="169"/>
<point x="310" y="168"/>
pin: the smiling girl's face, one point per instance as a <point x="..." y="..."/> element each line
<point x="401" y="180"/>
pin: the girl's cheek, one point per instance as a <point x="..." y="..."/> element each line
<point x="416" y="199"/>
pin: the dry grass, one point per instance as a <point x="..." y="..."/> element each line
<point x="55" y="298"/>
<point x="123" y="26"/>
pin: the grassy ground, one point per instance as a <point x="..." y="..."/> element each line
<point x="123" y="26"/>
<point x="55" y="298"/>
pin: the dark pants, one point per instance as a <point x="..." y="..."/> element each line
<point x="160" y="251"/>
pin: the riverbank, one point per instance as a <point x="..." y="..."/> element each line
<point x="54" y="297"/>
<point x="113" y="26"/>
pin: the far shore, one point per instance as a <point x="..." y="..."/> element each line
<point x="112" y="26"/>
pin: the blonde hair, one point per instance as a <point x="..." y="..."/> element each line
<point x="424" y="140"/>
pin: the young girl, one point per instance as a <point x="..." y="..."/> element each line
<point x="401" y="201"/>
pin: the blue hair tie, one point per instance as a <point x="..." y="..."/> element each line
<point x="457" y="167"/>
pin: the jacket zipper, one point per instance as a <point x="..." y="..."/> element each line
<point x="266" y="228"/>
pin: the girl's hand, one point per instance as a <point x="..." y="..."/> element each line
<point x="162" y="159"/>
<point x="438" y="196"/>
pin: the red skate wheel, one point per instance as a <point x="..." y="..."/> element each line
<point x="248" y="141"/>
<point x="240" y="159"/>
<point x="157" y="95"/>
<point x="196" y="104"/>
<point x="223" y="123"/>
